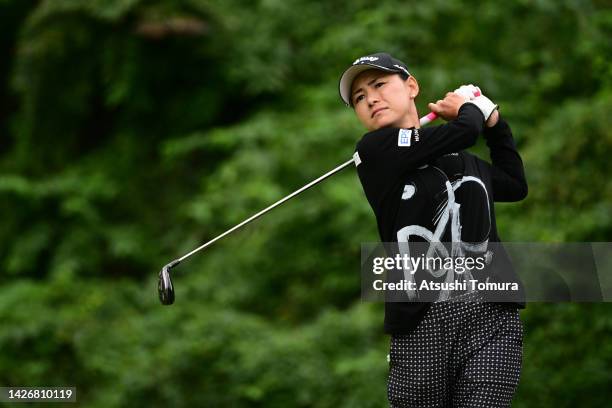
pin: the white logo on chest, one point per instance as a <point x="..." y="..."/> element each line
<point x="409" y="191"/>
<point x="403" y="137"/>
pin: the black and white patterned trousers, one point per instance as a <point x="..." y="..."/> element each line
<point x="465" y="353"/>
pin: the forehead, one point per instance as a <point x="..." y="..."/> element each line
<point x="364" y="77"/>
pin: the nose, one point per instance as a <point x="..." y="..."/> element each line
<point x="372" y="98"/>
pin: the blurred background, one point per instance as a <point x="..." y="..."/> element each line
<point x="131" y="132"/>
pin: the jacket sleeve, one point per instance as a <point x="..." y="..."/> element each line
<point x="507" y="172"/>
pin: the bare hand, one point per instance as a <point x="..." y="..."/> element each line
<point x="447" y="108"/>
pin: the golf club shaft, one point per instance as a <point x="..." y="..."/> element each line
<point x="424" y="120"/>
<point x="265" y="210"/>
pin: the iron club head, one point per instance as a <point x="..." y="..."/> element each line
<point x="165" y="288"/>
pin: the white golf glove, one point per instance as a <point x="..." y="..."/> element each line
<point x="468" y="92"/>
<point x="483" y="103"/>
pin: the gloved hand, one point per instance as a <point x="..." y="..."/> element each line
<point x="472" y="94"/>
<point x="468" y="92"/>
<point x="486" y="106"/>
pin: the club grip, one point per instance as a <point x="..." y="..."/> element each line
<point x="430" y="117"/>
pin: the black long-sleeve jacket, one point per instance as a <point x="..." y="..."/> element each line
<point x="423" y="187"/>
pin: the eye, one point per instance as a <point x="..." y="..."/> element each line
<point x="379" y="84"/>
<point x="358" y="98"/>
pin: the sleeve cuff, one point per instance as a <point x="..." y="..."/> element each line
<point x="499" y="127"/>
<point x="474" y="108"/>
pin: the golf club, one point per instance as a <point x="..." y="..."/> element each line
<point x="165" y="287"/>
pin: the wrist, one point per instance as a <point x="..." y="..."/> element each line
<point x="486" y="106"/>
<point x="493" y="119"/>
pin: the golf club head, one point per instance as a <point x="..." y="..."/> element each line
<point x="165" y="288"/>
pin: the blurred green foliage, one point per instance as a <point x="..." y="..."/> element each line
<point x="131" y="132"/>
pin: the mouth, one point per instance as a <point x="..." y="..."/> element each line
<point x="377" y="110"/>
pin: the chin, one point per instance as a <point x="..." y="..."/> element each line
<point x="383" y="124"/>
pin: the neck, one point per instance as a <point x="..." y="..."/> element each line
<point x="411" y="120"/>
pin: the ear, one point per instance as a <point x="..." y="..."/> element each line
<point x="412" y="87"/>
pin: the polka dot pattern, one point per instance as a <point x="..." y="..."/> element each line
<point x="466" y="352"/>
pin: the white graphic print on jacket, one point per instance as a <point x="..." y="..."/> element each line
<point x="448" y="213"/>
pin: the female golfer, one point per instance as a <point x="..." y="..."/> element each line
<point x="459" y="349"/>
